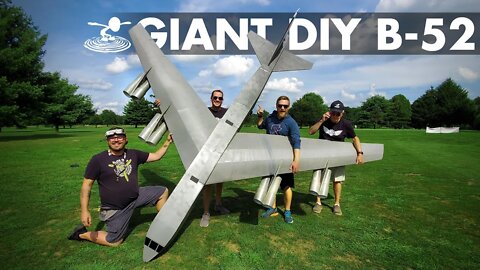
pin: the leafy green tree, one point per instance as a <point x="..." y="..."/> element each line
<point x="400" y="115"/>
<point x="308" y="109"/>
<point x="138" y="112"/>
<point x="476" y="120"/>
<point x="455" y="108"/>
<point x="374" y="112"/>
<point x="61" y="106"/>
<point x="424" y="110"/>
<point x="20" y="66"/>
<point x="109" y="117"/>
<point x="446" y="105"/>
<point x="353" y="114"/>
<point x="94" y="120"/>
<point x="78" y="108"/>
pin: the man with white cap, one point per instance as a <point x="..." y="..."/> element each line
<point x="116" y="171"/>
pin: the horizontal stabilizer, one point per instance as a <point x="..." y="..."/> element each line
<point x="287" y="62"/>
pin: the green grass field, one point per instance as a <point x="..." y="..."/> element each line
<point x="418" y="208"/>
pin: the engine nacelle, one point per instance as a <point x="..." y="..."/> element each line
<point x="152" y="125"/>
<point x="323" y="192"/>
<point x="262" y="190"/>
<point x="316" y="181"/>
<point x="132" y="87"/>
<point x="157" y="134"/>
<point x="141" y="90"/>
<point x="272" y="192"/>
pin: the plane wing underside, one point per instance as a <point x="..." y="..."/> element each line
<point x="254" y="155"/>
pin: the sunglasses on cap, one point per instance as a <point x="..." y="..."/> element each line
<point x="117" y="131"/>
<point x="282" y="106"/>
<point x="217" y="98"/>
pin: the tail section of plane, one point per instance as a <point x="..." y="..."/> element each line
<point x="287" y="61"/>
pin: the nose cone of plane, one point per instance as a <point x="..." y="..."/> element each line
<point x="150" y="254"/>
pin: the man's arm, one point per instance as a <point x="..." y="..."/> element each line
<point x="260" y="116"/>
<point x="161" y="151"/>
<point x="358" y="147"/>
<point x="294" y="138"/>
<point x="313" y="129"/>
<point x="295" y="166"/>
<point x="85" y="216"/>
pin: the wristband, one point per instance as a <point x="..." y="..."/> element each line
<point x="358" y="153"/>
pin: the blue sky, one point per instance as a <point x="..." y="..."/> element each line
<point x="351" y="79"/>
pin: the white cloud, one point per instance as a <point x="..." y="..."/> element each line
<point x="115" y="106"/>
<point x="348" y="96"/>
<point x="205" y="73"/>
<point x="427" y="6"/>
<point x="374" y="92"/>
<point x="235" y="65"/>
<point x="118" y="65"/>
<point x="97" y="84"/>
<point x="291" y="85"/>
<point x="468" y="73"/>
<point x="133" y="60"/>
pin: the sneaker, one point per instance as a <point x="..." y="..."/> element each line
<point x="337" y="210"/>
<point x="220" y="209"/>
<point x="317" y="208"/>
<point x="271" y="212"/>
<point x="205" y="220"/>
<point x="75" y="235"/>
<point x="288" y="217"/>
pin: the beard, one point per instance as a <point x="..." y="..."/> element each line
<point x="281" y="114"/>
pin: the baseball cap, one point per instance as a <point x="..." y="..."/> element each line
<point x="337" y="106"/>
<point x="115" y="131"/>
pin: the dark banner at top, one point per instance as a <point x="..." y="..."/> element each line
<point x="309" y="33"/>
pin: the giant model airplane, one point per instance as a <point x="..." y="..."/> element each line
<point x="213" y="151"/>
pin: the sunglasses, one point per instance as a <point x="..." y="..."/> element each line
<point x="116" y="137"/>
<point x="282" y="106"/>
<point x="217" y="98"/>
<point x="335" y="113"/>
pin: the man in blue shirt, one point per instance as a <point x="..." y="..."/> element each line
<point x="281" y="123"/>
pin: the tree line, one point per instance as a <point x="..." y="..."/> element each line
<point x="31" y="96"/>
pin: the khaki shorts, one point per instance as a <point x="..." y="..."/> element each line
<point x="338" y="174"/>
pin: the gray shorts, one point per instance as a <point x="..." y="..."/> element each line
<point x="117" y="220"/>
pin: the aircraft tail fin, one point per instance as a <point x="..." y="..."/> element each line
<point x="277" y="58"/>
<point x="287" y="62"/>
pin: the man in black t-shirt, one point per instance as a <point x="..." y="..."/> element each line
<point x="218" y="112"/>
<point x="116" y="171"/>
<point x="333" y="127"/>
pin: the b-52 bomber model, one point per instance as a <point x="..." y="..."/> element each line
<point x="213" y="151"/>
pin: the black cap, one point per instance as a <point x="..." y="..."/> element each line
<point x="337" y="106"/>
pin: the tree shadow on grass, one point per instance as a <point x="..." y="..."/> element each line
<point x="9" y="138"/>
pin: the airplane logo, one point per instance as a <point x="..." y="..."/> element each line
<point x="212" y="150"/>
<point x="107" y="43"/>
<point x="331" y="132"/>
